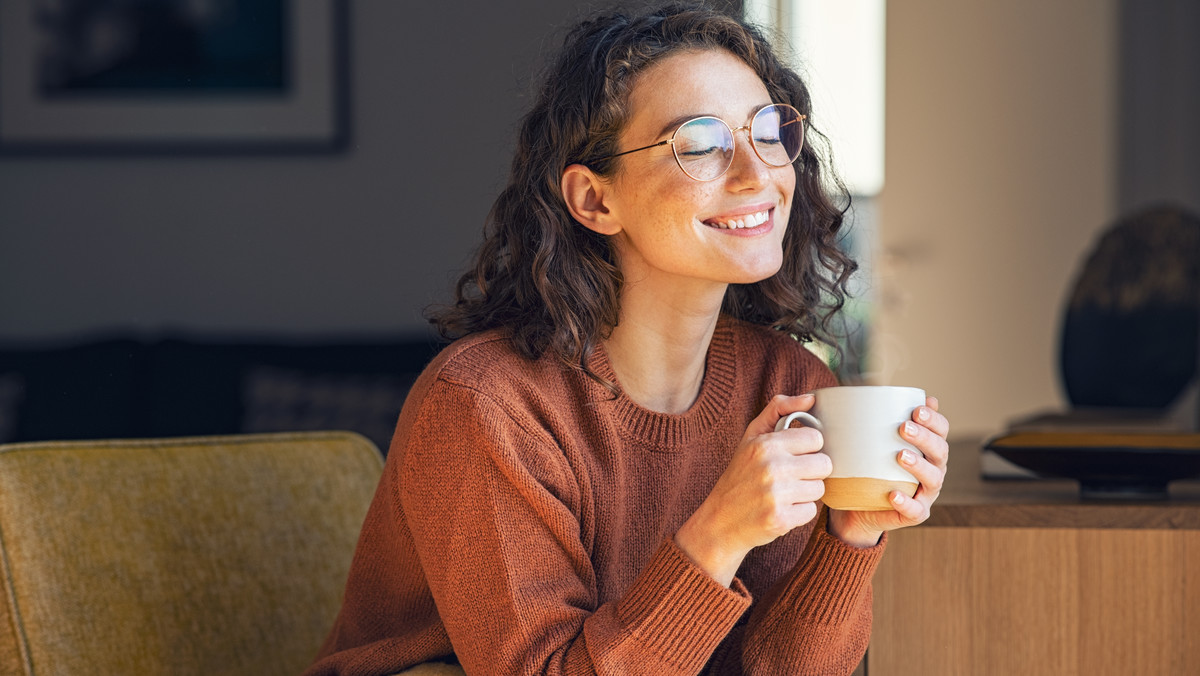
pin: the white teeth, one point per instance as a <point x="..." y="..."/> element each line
<point x="749" y="221"/>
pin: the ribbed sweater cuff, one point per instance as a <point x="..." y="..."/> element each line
<point x="679" y="611"/>
<point x="832" y="576"/>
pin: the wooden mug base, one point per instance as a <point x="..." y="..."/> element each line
<point x="864" y="494"/>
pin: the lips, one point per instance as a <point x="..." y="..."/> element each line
<point x="741" y="222"/>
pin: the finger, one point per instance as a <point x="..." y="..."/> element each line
<point x="779" y="406"/>
<point x="799" y="440"/>
<point x="929" y="417"/>
<point x="801" y="513"/>
<point x="801" y="492"/>
<point x="785" y="513"/>
<point x="912" y="510"/>
<point x="930" y="476"/>
<point x="931" y="402"/>
<point x="934" y="447"/>
<point x="811" y="467"/>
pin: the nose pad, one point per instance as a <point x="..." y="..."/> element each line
<point x="746" y="164"/>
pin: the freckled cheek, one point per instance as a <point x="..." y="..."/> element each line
<point x="682" y="203"/>
<point x="698" y="199"/>
<point x="672" y="195"/>
<point x="789" y="188"/>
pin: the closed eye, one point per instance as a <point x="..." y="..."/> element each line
<point x="699" y="152"/>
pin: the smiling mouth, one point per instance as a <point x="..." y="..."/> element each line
<point x="742" y="222"/>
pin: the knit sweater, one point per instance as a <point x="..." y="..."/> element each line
<point x="524" y="523"/>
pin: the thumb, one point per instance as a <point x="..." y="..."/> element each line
<point x="779" y="406"/>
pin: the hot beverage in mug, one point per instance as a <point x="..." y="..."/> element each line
<point x="861" y="428"/>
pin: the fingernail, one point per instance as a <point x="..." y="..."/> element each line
<point x="898" y="498"/>
<point x="923" y="414"/>
<point x="908" y="457"/>
<point x="910" y="429"/>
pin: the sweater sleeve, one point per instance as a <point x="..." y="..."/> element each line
<point x="815" y="620"/>
<point x="491" y="504"/>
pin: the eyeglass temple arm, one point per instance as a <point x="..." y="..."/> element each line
<point x="652" y="145"/>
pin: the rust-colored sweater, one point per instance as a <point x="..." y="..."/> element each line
<point x="524" y="522"/>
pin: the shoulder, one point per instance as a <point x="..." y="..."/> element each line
<point x="482" y="378"/>
<point x="488" y="362"/>
<point x="481" y="404"/>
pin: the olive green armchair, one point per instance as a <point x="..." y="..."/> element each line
<point x="206" y="555"/>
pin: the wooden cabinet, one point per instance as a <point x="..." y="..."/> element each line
<point x="1024" y="578"/>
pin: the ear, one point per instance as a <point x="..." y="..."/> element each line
<point x="584" y="193"/>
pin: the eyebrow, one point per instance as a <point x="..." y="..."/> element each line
<point x="677" y="122"/>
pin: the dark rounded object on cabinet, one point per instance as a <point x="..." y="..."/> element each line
<point x="1131" y="334"/>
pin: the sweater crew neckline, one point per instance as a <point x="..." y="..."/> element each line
<point x="672" y="432"/>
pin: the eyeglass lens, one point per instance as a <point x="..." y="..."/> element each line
<point x="704" y="146"/>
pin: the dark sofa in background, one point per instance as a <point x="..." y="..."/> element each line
<point x="182" y="386"/>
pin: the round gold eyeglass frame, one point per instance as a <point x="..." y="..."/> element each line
<point x="798" y="119"/>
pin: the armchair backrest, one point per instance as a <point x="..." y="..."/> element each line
<point x="205" y="555"/>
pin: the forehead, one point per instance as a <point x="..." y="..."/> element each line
<point x="695" y="82"/>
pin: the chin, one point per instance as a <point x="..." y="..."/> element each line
<point x="759" y="271"/>
<point x="754" y="278"/>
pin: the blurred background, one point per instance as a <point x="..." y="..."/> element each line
<point x="327" y="197"/>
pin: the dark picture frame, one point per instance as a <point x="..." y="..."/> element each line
<point x="163" y="77"/>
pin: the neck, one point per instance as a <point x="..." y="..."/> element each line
<point x="658" y="350"/>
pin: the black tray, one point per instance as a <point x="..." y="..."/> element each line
<point x="1107" y="466"/>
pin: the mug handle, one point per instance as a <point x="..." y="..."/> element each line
<point x="806" y="418"/>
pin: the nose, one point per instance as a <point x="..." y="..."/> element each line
<point x="746" y="171"/>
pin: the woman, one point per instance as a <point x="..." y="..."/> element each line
<point x="589" y="480"/>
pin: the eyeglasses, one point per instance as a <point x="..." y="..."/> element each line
<point x="704" y="146"/>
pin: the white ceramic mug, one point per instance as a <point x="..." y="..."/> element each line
<point x="861" y="428"/>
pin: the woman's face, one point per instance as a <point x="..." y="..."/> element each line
<point x="674" y="228"/>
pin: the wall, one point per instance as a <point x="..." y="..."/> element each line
<point x="358" y="242"/>
<point x="1000" y="169"/>
<point x="1160" y="103"/>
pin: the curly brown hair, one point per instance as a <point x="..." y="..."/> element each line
<point x="553" y="283"/>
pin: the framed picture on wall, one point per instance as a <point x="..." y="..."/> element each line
<point x="169" y="76"/>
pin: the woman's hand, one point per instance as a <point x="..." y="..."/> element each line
<point x="927" y="431"/>
<point x="771" y="486"/>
